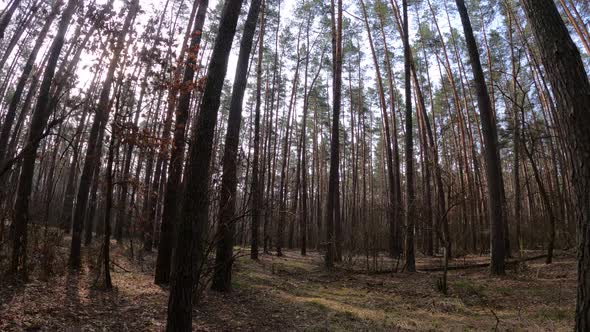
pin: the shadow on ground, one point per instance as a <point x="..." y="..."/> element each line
<point x="294" y="293"/>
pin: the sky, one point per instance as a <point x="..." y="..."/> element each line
<point x="149" y="7"/>
<point x="287" y="6"/>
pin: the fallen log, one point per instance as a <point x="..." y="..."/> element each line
<point x="119" y="266"/>
<point x="480" y="265"/>
<point x="466" y="266"/>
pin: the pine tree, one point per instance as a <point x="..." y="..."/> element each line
<point x="193" y="217"/>
<point x="227" y="203"/>
<point x="492" y="156"/>
<point x="565" y="71"/>
<point x="18" y="231"/>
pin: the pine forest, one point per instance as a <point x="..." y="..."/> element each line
<point x="294" y="165"/>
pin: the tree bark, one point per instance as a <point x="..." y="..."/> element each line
<point x="107" y="213"/>
<point x="193" y="217"/>
<point x="18" y="263"/>
<point x="565" y="70"/>
<point x="169" y="212"/>
<point x="492" y="156"/>
<point x="95" y="140"/>
<point x="10" y="115"/>
<point x="5" y="20"/>
<point x="410" y="185"/>
<point x="392" y="208"/>
<point x="227" y="200"/>
<point x="256" y="185"/>
<point x="332" y="213"/>
<point x="546" y="202"/>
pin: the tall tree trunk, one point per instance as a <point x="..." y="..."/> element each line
<point x="227" y="200"/>
<point x="193" y="217"/>
<point x="151" y="183"/>
<point x="516" y="134"/>
<point x="303" y="189"/>
<point x="68" y="203"/>
<point x="10" y="115"/>
<point x="95" y="140"/>
<point x="107" y="213"/>
<point x="546" y="201"/>
<point x="565" y="70"/>
<point x="18" y="262"/>
<point x="332" y="214"/>
<point x="152" y="197"/>
<point x="392" y="208"/>
<point x="122" y="221"/>
<point x="459" y="115"/>
<point x="285" y="156"/>
<point x="410" y="186"/>
<point x="256" y="185"/>
<point x="12" y="43"/>
<point x="492" y="156"/>
<point x="169" y="219"/>
<point x="276" y="92"/>
<point x="302" y="167"/>
<point x="5" y="20"/>
<point x="441" y="215"/>
<point x="579" y="30"/>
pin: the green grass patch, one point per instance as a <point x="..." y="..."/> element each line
<point x="555" y="314"/>
<point x="469" y="288"/>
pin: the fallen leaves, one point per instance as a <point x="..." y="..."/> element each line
<point x="302" y="296"/>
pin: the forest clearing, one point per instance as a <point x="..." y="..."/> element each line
<point x="294" y="293"/>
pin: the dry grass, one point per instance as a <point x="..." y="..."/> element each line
<point x="295" y="293"/>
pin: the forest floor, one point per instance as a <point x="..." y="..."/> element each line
<point x="295" y="293"/>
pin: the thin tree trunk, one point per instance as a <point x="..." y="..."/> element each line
<point x="152" y="190"/>
<point x="576" y="26"/>
<point x="494" y="173"/>
<point x="285" y="156"/>
<point x="546" y="202"/>
<point x="171" y="194"/>
<point x="410" y="185"/>
<point x="18" y="262"/>
<point x="7" y="15"/>
<point x="256" y="186"/>
<point x="227" y="201"/>
<point x="332" y="214"/>
<point x="95" y="140"/>
<point x="20" y="87"/>
<point x="20" y="29"/>
<point x="394" y="245"/>
<point x="108" y="207"/>
<point x="516" y="135"/>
